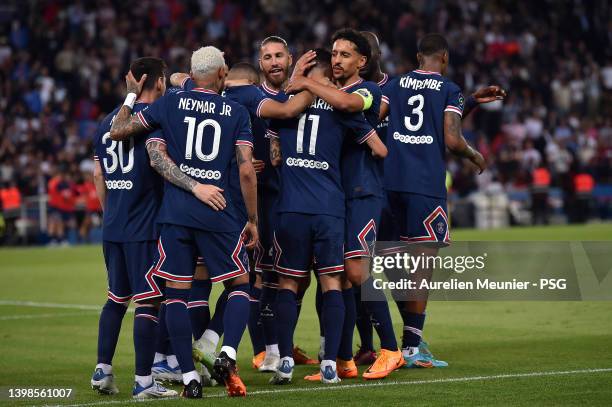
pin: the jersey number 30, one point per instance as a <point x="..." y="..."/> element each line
<point x="116" y="155"/>
<point x="418" y="110"/>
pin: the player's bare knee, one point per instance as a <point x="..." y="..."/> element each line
<point x="178" y="285"/>
<point x="201" y="272"/>
<point x="240" y="280"/>
<point x="289" y="283"/>
<point x="330" y="282"/>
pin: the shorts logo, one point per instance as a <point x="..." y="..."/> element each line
<point x="440" y="227"/>
<point x="121" y="184"/>
<point x="299" y="162"/>
<point x="413" y="139"/>
<point x="198" y="173"/>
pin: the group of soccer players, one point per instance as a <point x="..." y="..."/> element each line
<point x="220" y="175"/>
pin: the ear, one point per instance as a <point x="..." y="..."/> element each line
<point x="290" y="60"/>
<point x="362" y="62"/>
<point x="445" y="57"/>
<point x="420" y="58"/>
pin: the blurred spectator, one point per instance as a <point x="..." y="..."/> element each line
<point x="62" y="198"/>
<point x="62" y="67"/>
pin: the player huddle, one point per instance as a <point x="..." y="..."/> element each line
<point x="224" y="179"/>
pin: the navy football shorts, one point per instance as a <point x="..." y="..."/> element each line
<point x="303" y="239"/>
<point x="224" y="254"/>
<point x="361" y="224"/>
<point x="420" y="218"/>
<point x="127" y="264"/>
<point x="388" y="230"/>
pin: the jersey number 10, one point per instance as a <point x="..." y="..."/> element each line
<point x="199" y="133"/>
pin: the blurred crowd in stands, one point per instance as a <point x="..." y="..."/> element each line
<point x="62" y="65"/>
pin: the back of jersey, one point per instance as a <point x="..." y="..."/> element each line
<point x="134" y="189"/>
<point x="311" y="149"/>
<point x="201" y="130"/>
<point x="415" y="136"/>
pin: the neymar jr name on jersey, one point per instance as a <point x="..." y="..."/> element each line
<point x="204" y="106"/>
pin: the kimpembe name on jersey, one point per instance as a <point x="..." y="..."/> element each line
<point x="204" y="106"/>
<point x="417" y="84"/>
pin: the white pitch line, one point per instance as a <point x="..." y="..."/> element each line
<point x="50" y="305"/>
<point x="35" y="316"/>
<point x="361" y="385"/>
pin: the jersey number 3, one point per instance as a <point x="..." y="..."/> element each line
<point x="419" y="100"/>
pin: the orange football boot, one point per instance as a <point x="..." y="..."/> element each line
<point x="386" y="362"/>
<point x="258" y="359"/>
<point x="301" y="358"/>
<point x="346" y="370"/>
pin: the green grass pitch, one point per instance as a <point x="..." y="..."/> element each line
<point x="500" y="353"/>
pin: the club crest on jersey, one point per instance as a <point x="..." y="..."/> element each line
<point x="440" y="227"/>
<point x="461" y="101"/>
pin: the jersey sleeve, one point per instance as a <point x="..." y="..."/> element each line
<point x="188" y="84"/>
<point x="387" y="92"/>
<point x="272" y="130"/>
<point x="151" y="117"/>
<point x="97" y="143"/>
<point x="155" y="136"/>
<point x="258" y="99"/>
<point x="244" y="136"/>
<point x="360" y="127"/>
<point x="454" y="100"/>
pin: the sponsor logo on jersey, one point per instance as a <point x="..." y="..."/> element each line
<point x="413" y="139"/>
<point x="299" y="162"/>
<point x="120" y="184"/>
<point x="199" y="173"/>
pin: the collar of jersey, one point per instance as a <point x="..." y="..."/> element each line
<point x="202" y="90"/>
<point x="269" y="89"/>
<point x="426" y="72"/>
<point x="352" y="84"/>
<point x="383" y="80"/>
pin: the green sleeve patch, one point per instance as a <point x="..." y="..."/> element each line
<point x="366" y="96"/>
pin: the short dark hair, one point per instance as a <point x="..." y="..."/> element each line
<point x="322" y="59"/>
<point x="432" y="43"/>
<point x="155" y="68"/>
<point x="244" y="70"/>
<point x="275" y="39"/>
<point x="361" y="42"/>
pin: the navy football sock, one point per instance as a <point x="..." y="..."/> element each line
<point x="319" y="308"/>
<point x="267" y="312"/>
<point x="179" y="327"/>
<point x="333" y="320"/>
<point x="413" y="329"/>
<point x="235" y="318"/>
<point x="162" y="344"/>
<point x="298" y="301"/>
<point x="286" y="317"/>
<point x="145" y="328"/>
<point x="199" y="312"/>
<point x="108" y="330"/>
<point x="363" y="323"/>
<point x="345" y="350"/>
<point x="378" y="307"/>
<point x="216" y="322"/>
<point x="255" y="326"/>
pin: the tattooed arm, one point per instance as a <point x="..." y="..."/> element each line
<point x="248" y="186"/>
<point x="163" y="164"/>
<point x="456" y="143"/>
<point x="275" y="152"/>
<point x="124" y="124"/>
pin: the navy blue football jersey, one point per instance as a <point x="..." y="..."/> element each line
<point x="201" y="130"/>
<point x="384" y="123"/>
<point x="415" y="136"/>
<point x="311" y="147"/>
<point x="270" y="177"/>
<point x="362" y="173"/>
<point x="134" y="189"/>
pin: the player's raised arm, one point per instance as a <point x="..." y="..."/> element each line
<point x="178" y="79"/>
<point x="167" y="168"/>
<point x="357" y="101"/>
<point x="483" y="95"/>
<point x="248" y="186"/>
<point x="364" y="133"/>
<point x="125" y="125"/>
<point x="271" y="109"/>
<point x="455" y="142"/>
<point x="99" y="183"/>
